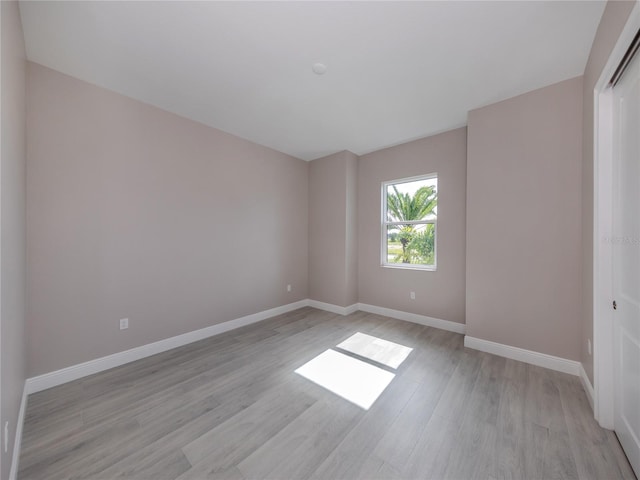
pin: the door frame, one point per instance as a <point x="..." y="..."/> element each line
<point x="603" y="352"/>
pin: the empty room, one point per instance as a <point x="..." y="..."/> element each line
<point x="320" y="240"/>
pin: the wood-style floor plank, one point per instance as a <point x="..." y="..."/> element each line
<point x="231" y="407"/>
<point x="306" y="442"/>
<point x="350" y="458"/>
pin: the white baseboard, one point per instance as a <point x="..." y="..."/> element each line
<point x="329" y="307"/>
<point x="58" y="377"/>
<point x="586" y="384"/>
<point x="17" y="443"/>
<point x="413" y="318"/>
<point x="74" y="372"/>
<point x="527" y="356"/>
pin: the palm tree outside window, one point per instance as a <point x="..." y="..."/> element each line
<point x="409" y="222"/>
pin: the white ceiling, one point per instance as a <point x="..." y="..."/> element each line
<point x="396" y="70"/>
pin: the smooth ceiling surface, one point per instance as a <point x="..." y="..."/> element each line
<point x="396" y="71"/>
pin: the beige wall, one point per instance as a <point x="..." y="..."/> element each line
<point x="439" y="294"/>
<point x="523" y="220"/>
<point x="352" y="229"/>
<point x="121" y="193"/>
<point x="332" y="229"/>
<point x="135" y="212"/>
<point x="613" y="20"/>
<point x="12" y="226"/>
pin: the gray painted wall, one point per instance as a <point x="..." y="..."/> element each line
<point x="523" y="221"/>
<point x="12" y="226"/>
<point x="332" y="229"/>
<point x="111" y="179"/>
<point x="352" y="229"/>
<point x="440" y="293"/>
<point x="138" y="213"/>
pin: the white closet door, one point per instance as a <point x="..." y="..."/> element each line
<point x="626" y="267"/>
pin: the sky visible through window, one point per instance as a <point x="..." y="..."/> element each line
<point x="411" y="187"/>
<point x="409" y="218"/>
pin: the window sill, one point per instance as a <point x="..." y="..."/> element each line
<point x="427" y="268"/>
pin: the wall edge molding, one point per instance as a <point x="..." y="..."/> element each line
<point x="17" y="442"/>
<point x="81" y="370"/>
<point x="531" y="357"/>
<point x="74" y="372"/>
<point x="414" y="318"/>
<point x="586" y="384"/>
<point x="330" y="307"/>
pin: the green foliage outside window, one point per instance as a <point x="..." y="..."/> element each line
<point x="411" y="243"/>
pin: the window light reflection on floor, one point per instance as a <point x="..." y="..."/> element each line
<point x="354" y="380"/>
<point x="376" y="349"/>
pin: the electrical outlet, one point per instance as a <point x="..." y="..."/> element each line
<point x="6" y="437"/>
<point x="412" y="295"/>
<point x="288" y="288"/>
<point x="589" y="345"/>
<point x="124" y="323"/>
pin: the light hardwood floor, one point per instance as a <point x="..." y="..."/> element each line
<point x="231" y="407"/>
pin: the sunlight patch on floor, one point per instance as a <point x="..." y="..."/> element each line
<point x="352" y="379"/>
<point x="359" y="381"/>
<point x="376" y="349"/>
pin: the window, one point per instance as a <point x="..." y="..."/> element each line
<point x="409" y="218"/>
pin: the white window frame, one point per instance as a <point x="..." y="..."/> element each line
<point x="384" y="223"/>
